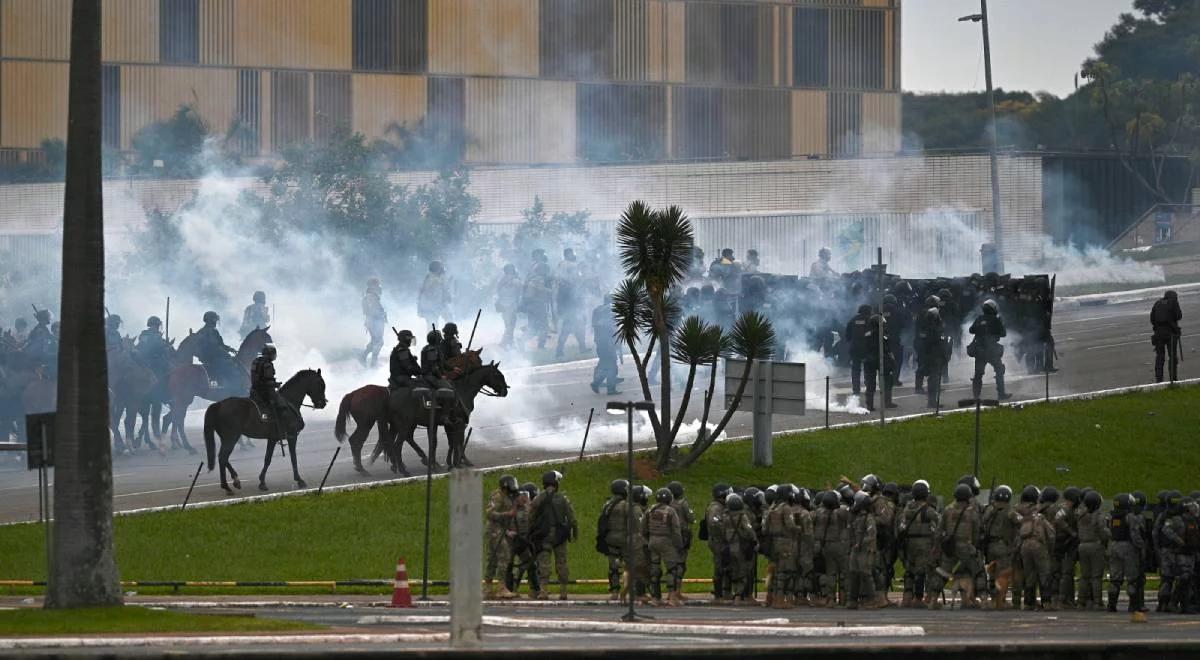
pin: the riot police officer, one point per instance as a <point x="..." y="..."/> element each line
<point x="1164" y="319"/>
<point x="41" y="340"/>
<point x="451" y="347"/>
<point x="112" y="332"/>
<point x="374" y="320"/>
<point x="264" y="388"/>
<point x="151" y="348"/>
<point x="986" y="348"/>
<point x="858" y="335"/>
<point x="432" y="368"/>
<point x="404" y="368"/>
<point x="213" y="352"/>
<point x="931" y="351"/>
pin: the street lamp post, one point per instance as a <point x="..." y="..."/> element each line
<point x="628" y="407"/>
<point x="997" y="217"/>
<point x="430" y="400"/>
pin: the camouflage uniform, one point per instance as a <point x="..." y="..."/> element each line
<point x="617" y="512"/>
<point x="780" y="535"/>
<point x="714" y="523"/>
<point x="916" y="527"/>
<point x="554" y="525"/>
<point x="524" y="559"/>
<point x="741" y="543"/>
<point x="959" y="559"/>
<point x="830" y="529"/>
<point x="501" y="511"/>
<point x="1000" y="536"/>
<point x="1065" y="517"/>
<point x="1037" y="548"/>
<point x="1093" y="537"/>
<point x="1125" y="558"/>
<point x="884" y="511"/>
<point x="687" y="518"/>
<point x="803" y="525"/>
<point x="661" y="530"/>
<point x="864" y="557"/>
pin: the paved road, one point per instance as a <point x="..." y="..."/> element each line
<point x="1100" y="347"/>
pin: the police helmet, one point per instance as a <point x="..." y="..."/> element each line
<point x="754" y="497"/>
<point x="260" y="297"/>
<point x="889" y="299"/>
<point x="871" y="484"/>
<point x="1092" y="500"/>
<point x="1171" y="295"/>
<point x="824" y="253"/>
<point x="861" y="501"/>
<point x="1073" y="495"/>
<point x="113" y="321"/>
<point x="676" y="489"/>
<point x="864" y="309"/>
<point x="530" y="488"/>
<point x="641" y="494"/>
<point x="962" y="493"/>
<point x="435" y="267"/>
<point x="1002" y="494"/>
<point x="933" y="314"/>
<point x="1162" y="497"/>
<point x="211" y="317"/>
<point x="829" y="499"/>
<point x="405" y="334"/>
<point x="773" y="494"/>
<point x="990" y="307"/>
<point x="433" y="337"/>
<point x="1030" y="494"/>
<point x="971" y="481"/>
<point x="847" y="494"/>
<point x="1122" y="502"/>
<point x="920" y="489"/>
<point x="450" y="330"/>
<point x="933" y="301"/>
<point x="552" y="478"/>
<point x="42" y="316"/>
<point x="619" y="487"/>
<point x="944" y="294"/>
<point x="508" y="483"/>
<point x="153" y="322"/>
<point x="803" y="497"/>
<point x="269" y="351"/>
<point x="1174" y="500"/>
<point x="663" y="496"/>
<point x="1049" y="495"/>
<point x="1139" y="500"/>
<point x="891" y="490"/>
<point x="734" y="502"/>
<point x="720" y="490"/>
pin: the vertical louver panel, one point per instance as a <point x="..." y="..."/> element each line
<point x="332" y="104"/>
<point x="179" y="31"/>
<point x="446" y="113"/>
<point x="291" y="108"/>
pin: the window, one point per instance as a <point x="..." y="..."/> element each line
<point x="290" y="108"/>
<point x="447" y="114"/>
<point x="248" y="112"/>
<point x="621" y="122"/>
<point x="331" y="103"/>
<point x="110" y="106"/>
<point x="391" y="35"/>
<point x="576" y="39"/>
<point x="179" y="31"/>
<point x="810" y="47"/>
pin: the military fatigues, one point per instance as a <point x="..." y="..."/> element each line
<point x="1064" y="517"/>
<point x="780" y="536"/>
<point x="830" y="530"/>
<point x="637" y="558"/>
<point x="958" y="533"/>
<point x="616" y="521"/>
<point x="916" y="527"/>
<point x="1037" y="549"/>
<point x="802" y="576"/>
<point x="714" y="525"/>
<point x="1093" y="537"/>
<point x="524" y="559"/>
<point x="1000" y="536"/>
<point x="501" y="512"/>
<point x="864" y="554"/>
<point x="884" y="511"/>
<point x="661" y="530"/>
<point x="554" y="525"/>
<point x="687" y="518"/>
<point x="742" y="549"/>
<point x="1125" y="550"/>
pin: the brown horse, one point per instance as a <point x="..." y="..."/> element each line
<point x="237" y="416"/>
<point x="188" y="381"/>
<point x="368" y="406"/>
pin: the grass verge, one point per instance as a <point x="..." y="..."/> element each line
<point x="133" y="619"/>
<point x="1119" y="443"/>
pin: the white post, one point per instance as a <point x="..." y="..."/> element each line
<point x="466" y="558"/>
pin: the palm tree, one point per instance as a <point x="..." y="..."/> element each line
<point x="83" y="565"/>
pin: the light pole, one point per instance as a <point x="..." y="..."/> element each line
<point x="430" y="400"/>
<point x="997" y="217"/>
<point x="979" y="405"/>
<point x="628" y="407"/>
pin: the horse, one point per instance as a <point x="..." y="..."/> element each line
<point x="234" y="417"/>
<point x="407" y="411"/>
<point x="188" y="381"/>
<point x="368" y="406"/>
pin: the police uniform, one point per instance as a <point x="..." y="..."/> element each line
<point x="780" y="540"/>
<point x="864" y="553"/>
<point x="1125" y="550"/>
<point x="554" y="525"/>
<point x="404" y="368"/>
<point x="858" y="335"/>
<point x="687" y="518"/>
<point x="988" y="330"/>
<point x="501" y="512"/>
<point x="1093" y="537"/>
<point x="714" y="524"/>
<point x="1164" y="320"/>
<point x="742" y="548"/>
<point x="616" y="515"/>
<point x="916" y="527"/>
<point x="830" y="529"/>
<point x="663" y="536"/>
<point x="1001" y="535"/>
<point x="959" y="559"/>
<point x="1037" y="548"/>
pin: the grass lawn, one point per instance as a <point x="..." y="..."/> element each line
<point x="1121" y="443"/>
<point x="25" y="622"/>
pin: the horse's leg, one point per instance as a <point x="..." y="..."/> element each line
<point x="181" y="426"/>
<point x="357" y="440"/>
<point x="416" y="447"/>
<point x="223" y="460"/>
<point x="433" y="443"/>
<point x="262" y="476"/>
<point x="130" y="420"/>
<point x="114" y="424"/>
<point x="300" y="483"/>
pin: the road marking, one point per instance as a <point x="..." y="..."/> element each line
<point x="716" y="630"/>
<point x="212" y="640"/>
<point x="1130" y="343"/>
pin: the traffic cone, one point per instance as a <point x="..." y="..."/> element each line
<point x="401" y="597"/>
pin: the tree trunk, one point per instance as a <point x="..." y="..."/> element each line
<point x="703" y="443"/>
<point x="666" y="437"/>
<point x="83" y="565"/>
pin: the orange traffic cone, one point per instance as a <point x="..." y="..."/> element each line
<point x="401" y="597"/>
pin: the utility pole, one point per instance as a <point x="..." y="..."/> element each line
<point x="997" y="215"/>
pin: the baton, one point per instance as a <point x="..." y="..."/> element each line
<point x="472" y="338"/>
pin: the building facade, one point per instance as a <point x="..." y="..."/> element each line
<point x="505" y="81"/>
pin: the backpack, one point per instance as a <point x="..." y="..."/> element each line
<point x="602" y="527"/>
<point x="550" y="522"/>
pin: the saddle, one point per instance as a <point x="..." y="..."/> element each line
<point x="264" y="414"/>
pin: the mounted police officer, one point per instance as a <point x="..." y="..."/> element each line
<point x="450" y="347"/>
<point x="40" y="340"/>
<point x="987" y="350"/>
<point x="264" y="391"/>
<point x="112" y="332"/>
<point x="214" y="353"/>
<point x="256" y="316"/>
<point x="1164" y="319"/>
<point x="151" y="348"/>
<point x="433" y="369"/>
<point x="374" y="320"/>
<point x="404" y="367"/>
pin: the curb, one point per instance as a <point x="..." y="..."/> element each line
<point x="1119" y="297"/>
<point x="35" y="643"/>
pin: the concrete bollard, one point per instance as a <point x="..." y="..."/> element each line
<point x="466" y="558"/>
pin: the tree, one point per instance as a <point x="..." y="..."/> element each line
<point x="172" y="148"/>
<point x="83" y="564"/>
<point x="655" y="248"/>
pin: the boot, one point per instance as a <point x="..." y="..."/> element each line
<point x="489" y="590"/>
<point x="871" y="401"/>
<point x="1164" y="596"/>
<point x="1000" y="393"/>
<point x="1113" y="595"/>
<point x="931" y="603"/>
<point x="562" y="592"/>
<point x="976" y="387"/>
<point x="675" y="599"/>
<point x="503" y="593"/>
<point x="906" y="601"/>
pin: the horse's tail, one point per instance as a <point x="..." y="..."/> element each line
<point x="210" y="440"/>
<point x="339" y="426"/>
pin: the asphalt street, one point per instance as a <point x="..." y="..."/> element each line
<point x="544" y="416"/>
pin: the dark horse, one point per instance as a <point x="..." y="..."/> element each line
<point x="406" y="412"/>
<point x="368" y="406"/>
<point x="188" y="381"/>
<point x="237" y="416"/>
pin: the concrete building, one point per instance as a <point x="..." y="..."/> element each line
<point x="504" y="81"/>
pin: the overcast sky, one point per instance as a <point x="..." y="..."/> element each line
<point x="1037" y="45"/>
